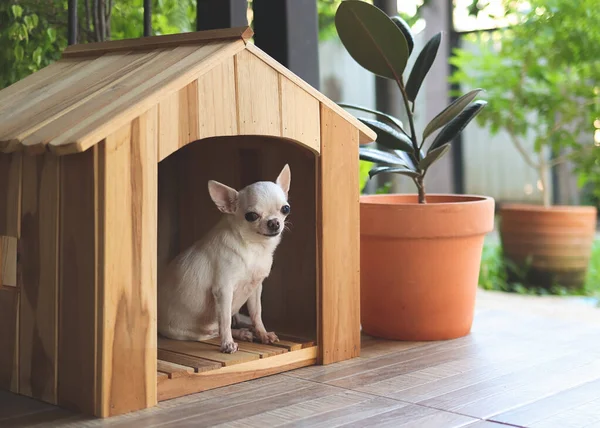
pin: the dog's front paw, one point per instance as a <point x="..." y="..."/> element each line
<point x="229" y="347"/>
<point x="268" y="337"/>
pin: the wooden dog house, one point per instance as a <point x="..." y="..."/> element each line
<point x="104" y="160"/>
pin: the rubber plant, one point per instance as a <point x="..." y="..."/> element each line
<point x="383" y="45"/>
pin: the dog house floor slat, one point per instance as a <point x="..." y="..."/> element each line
<point x="172" y="369"/>
<point x="256" y="348"/>
<point x="206" y="351"/>
<point x="161" y="377"/>
<point x="293" y="343"/>
<point x="191" y="383"/>
<point x="198" y="364"/>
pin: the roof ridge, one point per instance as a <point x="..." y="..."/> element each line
<point x="157" y="42"/>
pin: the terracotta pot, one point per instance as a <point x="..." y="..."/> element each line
<point x="551" y="245"/>
<point x="420" y="264"/>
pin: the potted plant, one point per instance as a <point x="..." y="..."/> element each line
<point x="420" y="253"/>
<point x="543" y="84"/>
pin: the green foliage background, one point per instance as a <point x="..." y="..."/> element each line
<point x="542" y="78"/>
<point x="33" y="33"/>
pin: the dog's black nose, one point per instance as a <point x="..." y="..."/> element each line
<point x="273" y="225"/>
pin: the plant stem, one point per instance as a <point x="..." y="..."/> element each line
<point x="413" y="134"/>
<point x="421" y="187"/>
<point x="543" y="171"/>
<point x="521" y="149"/>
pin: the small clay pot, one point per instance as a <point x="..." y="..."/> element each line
<point x="550" y="246"/>
<point x="420" y="264"/>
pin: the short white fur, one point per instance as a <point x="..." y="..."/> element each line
<point x="207" y="284"/>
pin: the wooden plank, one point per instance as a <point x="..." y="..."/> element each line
<point x="366" y="135"/>
<point x="8" y="261"/>
<point x="39" y="289"/>
<point x="37" y="82"/>
<point x="9" y="336"/>
<point x="158" y="42"/>
<point x="188" y="114"/>
<point x="206" y="351"/>
<point x="304" y="343"/>
<point x="109" y="95"/>
<point x="138" y="95"/>
<point x="77" y="92"/>
<point x="33" y="108"/>
<point x="339" y="299"/>
<point x="161" y="377"/>
<point x="10" y="194"/>
<point x="128" y="169"/>
<point x="198" y="364"/>
<point x="286" y="344"/>
<point x="236" y="373"/>
<point x="554" y="408"/>
<point x="77" y="283"/>
<point x="258" y="108"/>
<point x="168" y="125"/>
<point x="173" y="370"/>
<point x="262" y="350"/>
<point x="216" y="98"/>
<point x="299" y="115"/>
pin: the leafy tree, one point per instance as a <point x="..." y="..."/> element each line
<point x="33" y="33"/>
<point x="31" y="37"/>
<point x="542" y="81"/>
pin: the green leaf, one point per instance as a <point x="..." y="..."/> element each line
<point x="28" y="22"/>
<point x="456" y="125"/>
<point x="37" y="56"/>
<point x="19" y="53"/>
<point x="389" y="118"/>
<point x="422" y="66"/>
<point x="51" y="34"/>
<point x="35" y="19"/>
<point x="393" y="170"/>
<point x="372" y="39"/>
<point x="17" y="10"/>
<point x="449" y="112"/>
<point x="405" y="28"/>
<point x="433" y="156"/>
<point x="378" y="156"/>
<point x="388" y="137"/>
<point x="409" y="159"/>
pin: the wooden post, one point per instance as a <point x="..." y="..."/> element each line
<point x="127" y="240"/>
<point x="339" y="239"/>
<point x="39" y="279"/>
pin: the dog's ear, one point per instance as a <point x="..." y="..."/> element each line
<point x="284" y="179"/>
<point x="224" y="197"/>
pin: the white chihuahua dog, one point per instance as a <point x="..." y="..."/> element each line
<point x="205" y="286"/>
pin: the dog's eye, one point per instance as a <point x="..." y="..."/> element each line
<point x="251" y="217"/>
<point x="285" y="209"/>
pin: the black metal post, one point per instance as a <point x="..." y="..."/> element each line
<point x="72" y="22"/>
<point x="288" y="31"/>
<point x="388" y="97"/>
<point x="213" y="14"/>
<point x="147" y="18"/>
<point x="458" y="171"/>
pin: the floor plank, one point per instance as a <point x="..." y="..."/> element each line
<point x="520" y="369"/>
<point x="555" y="407"/>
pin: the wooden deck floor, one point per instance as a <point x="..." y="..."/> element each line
<point x="521" y="366"/>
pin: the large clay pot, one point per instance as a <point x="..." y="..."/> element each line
<point x="551" y="246"/>
<point x="420" y="264"/>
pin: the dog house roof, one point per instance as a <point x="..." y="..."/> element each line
<point x="76" y="102"/>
